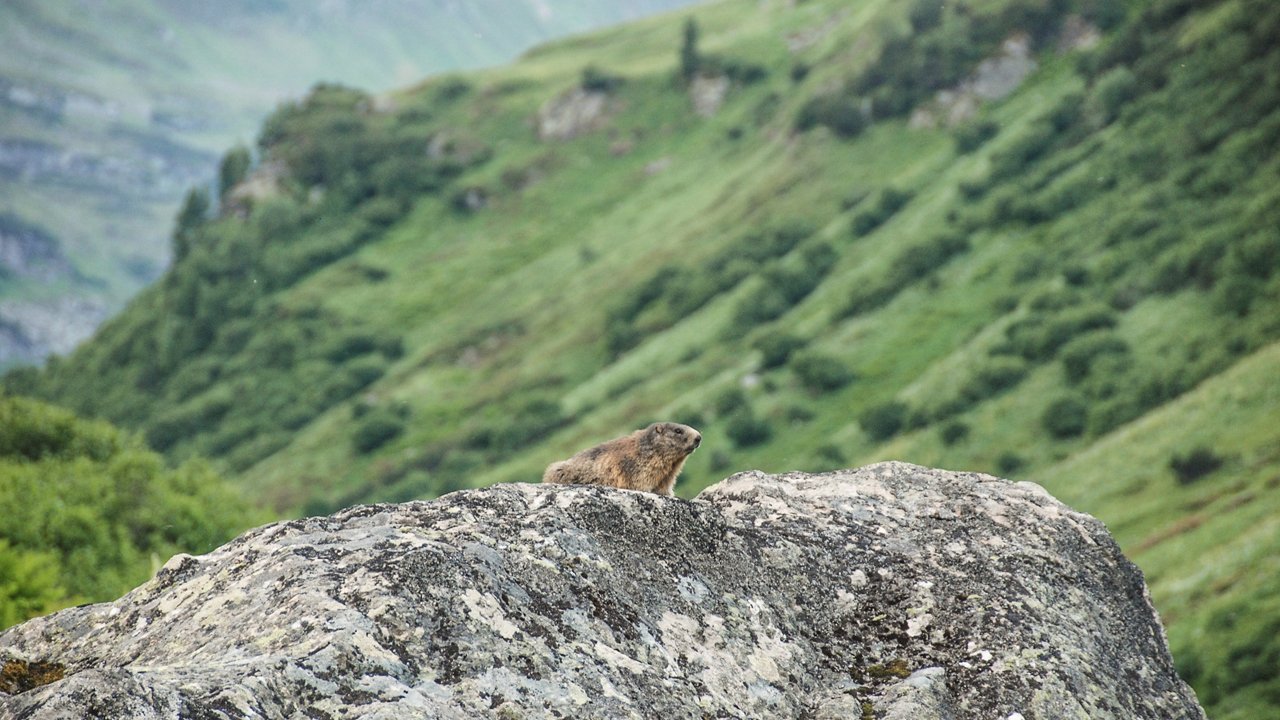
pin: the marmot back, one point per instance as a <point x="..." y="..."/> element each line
<point x="648" y="460"/>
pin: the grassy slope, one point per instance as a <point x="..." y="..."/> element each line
<point x="483" y="335"/>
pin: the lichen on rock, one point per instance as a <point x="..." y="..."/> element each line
<point x="767" y="596"/>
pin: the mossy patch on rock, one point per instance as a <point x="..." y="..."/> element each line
<point x="17" y="676"/>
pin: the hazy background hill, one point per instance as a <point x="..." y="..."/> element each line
<point x="1038" y="239"/>
<point x="109" y="111"/>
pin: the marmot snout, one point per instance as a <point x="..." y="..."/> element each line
<point x="648" y="460"/>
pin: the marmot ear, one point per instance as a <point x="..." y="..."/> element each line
<point x="660" y="429"/>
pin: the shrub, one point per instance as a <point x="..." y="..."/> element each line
<point x="1065" y="418"/>
<point x="1234" y="295"/>
<point x="596" y="80"/>
<point x="972" y="135"/>
<point x="888" y="203"/>
<point x="720" y="461"/>
<point x="830" y="457"/>
<point x="917" y="262"/>
<point x="992" y="378"/>
<point x="32" y="431"/>
<point x="741" y="71"/>
<point x="819" y="372"/>
<point x="838" y="113"/>
<point x="766" y="302"/>
<point x="1039" y="336"/>
<point x="1110" y="93"/>
<point x="883" y="421"/>
<point x="729" y="401"/>
<point x="1009" y="463"/>
<point x="776" y="348"/>
<point x="1023" y="150"/>
<point x="1194" y="465"/>
<point x="1079" y="354"/>
<point x="744" y="429"/>
<point x="375" y="430"/>
<point x="953" y="432"/>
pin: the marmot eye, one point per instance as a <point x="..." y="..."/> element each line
<point x="679" y="431"/>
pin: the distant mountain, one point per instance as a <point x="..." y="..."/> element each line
<point x="110" y="111"/>
<point x="1034" y="239"/>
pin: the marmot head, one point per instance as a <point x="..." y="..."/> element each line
<point x="674" y="435"/>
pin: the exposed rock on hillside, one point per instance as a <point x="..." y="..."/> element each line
<point x="707" y="92"/>
<point x="994" y="78"/>
<point x="28" y="251"/>
<point x="892" y="590"/>
<point x="571" y="114"/>
<point x="33" y="330"/>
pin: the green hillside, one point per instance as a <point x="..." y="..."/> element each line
<point x="110" y="111"/>
<point x="767" y="223"/>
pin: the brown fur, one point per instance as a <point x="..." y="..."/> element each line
<point x="648" y="460"/>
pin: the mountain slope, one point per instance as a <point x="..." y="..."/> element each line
<point x="110" y="111"/>
<point x="1060" y="269"/>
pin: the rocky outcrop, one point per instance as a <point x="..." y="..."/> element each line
<point x="997" y="77"/>
<point x="892" y="591"/>
<point x="571" y="114"/>
<point x="31" y="330"/>
<point x="994" y="79"/>
<point x="707" y="93"/>
<point x="30" y="252"/>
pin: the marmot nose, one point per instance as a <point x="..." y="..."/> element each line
<point x="697" y="440"/>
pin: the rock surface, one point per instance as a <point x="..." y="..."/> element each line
<point x="893" y="591"/>
<point x="571" y="114"/>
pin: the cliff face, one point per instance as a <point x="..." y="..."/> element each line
<point x="892" y="591"/>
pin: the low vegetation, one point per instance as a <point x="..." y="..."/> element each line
<point x="87" y="513"/>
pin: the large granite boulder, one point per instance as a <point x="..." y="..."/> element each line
<point x="892" y="591"/>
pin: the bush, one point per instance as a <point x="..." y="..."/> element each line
<point x="888" y="203"/>
<point x="953" y="432"/>
<point x="1079" y="354"/>
<point x="728" y="401"/>
<point x="33" y="431"/>
<point x="883" y="421"/>
<point x="744" y="429"/>
<point x="828" y="457"/>
<point x="375" y="430"/>
<point x="973" y="135"/>
<point x="596" y="80"/>
<point x="1196" y="464"/>
<point x="1110" y="93"/>
<point x="1023" y="150"/>
<point x="1009" y="463"/>
<point x="1065" y="418"/>
<point x="819" y="372"/>
<point x="1039" y="336"/>
<point x="776" y="348"/>
<point x="838" y="113"/>
<point x="1234" y="294"/>
<point x="919" y="261"/>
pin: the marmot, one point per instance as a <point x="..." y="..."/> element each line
<point x="648" y="459"/>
